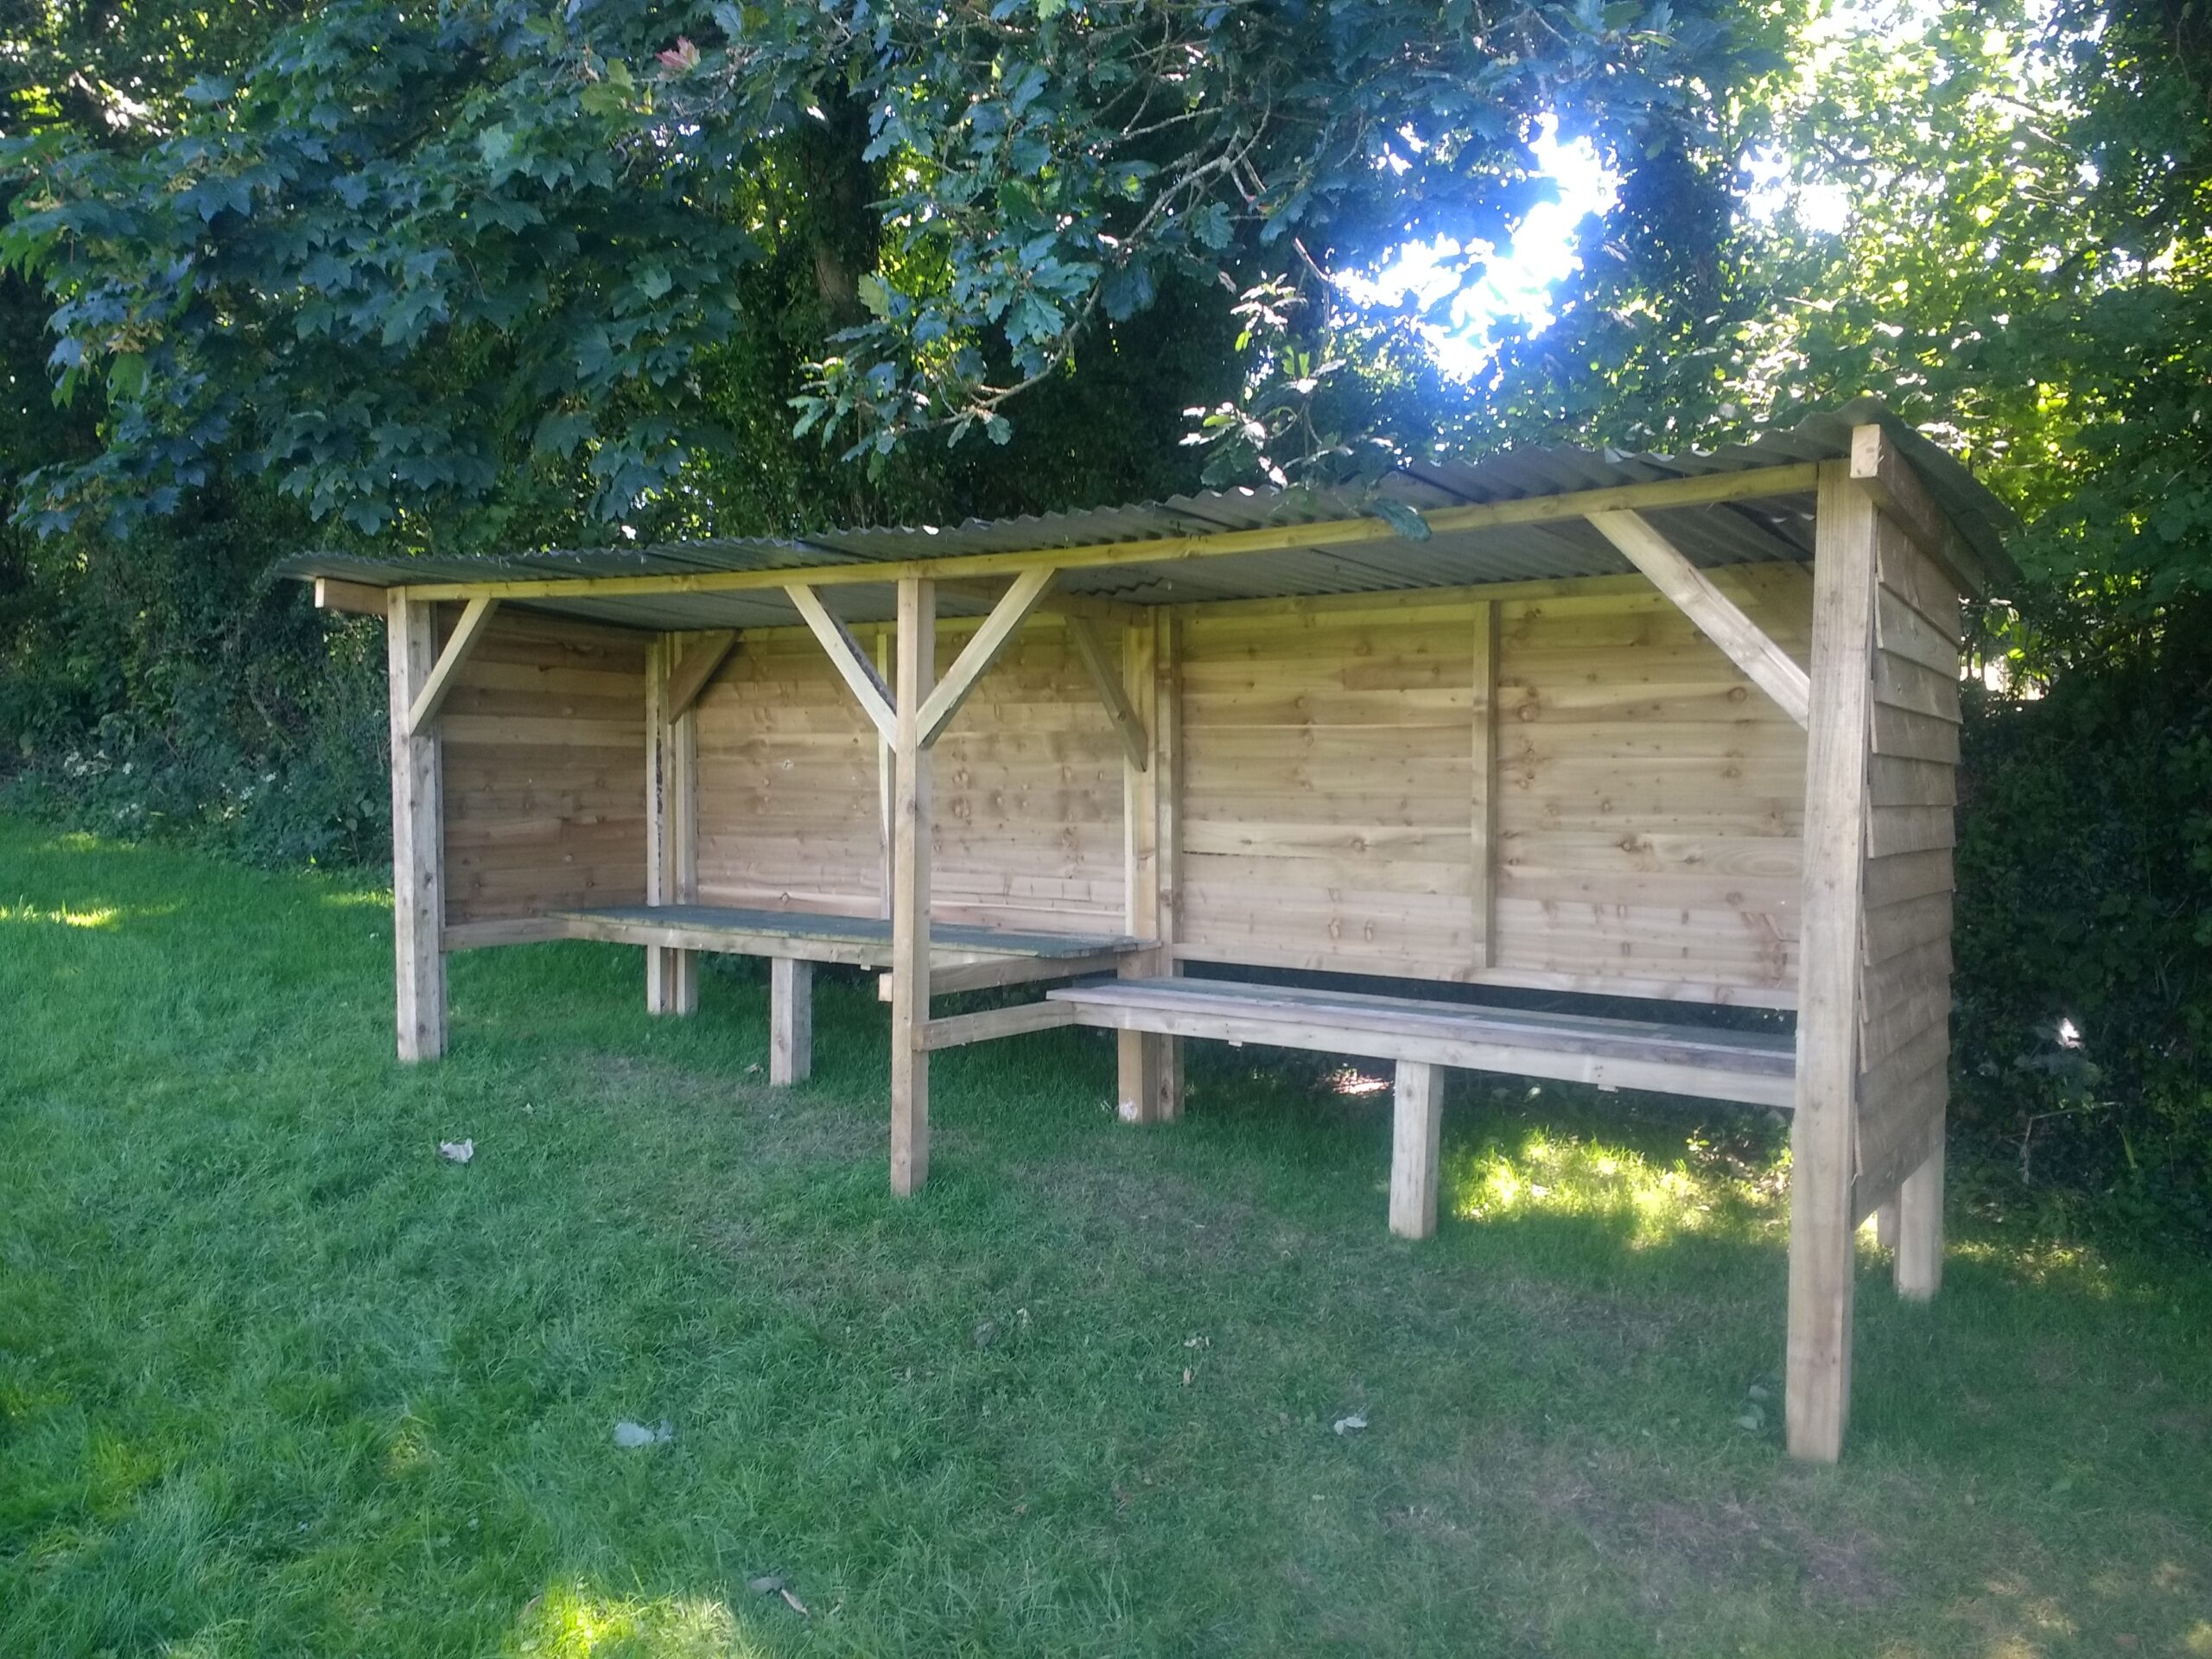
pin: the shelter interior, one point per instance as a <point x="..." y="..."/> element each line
<point x="1682" y="729"/>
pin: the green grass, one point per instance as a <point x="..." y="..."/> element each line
<point x="276" y="1379"/>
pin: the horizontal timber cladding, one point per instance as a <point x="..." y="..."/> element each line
<point x="544" y="751"/>
<point x="1906" y="957"/>
<point x="1027" y="788"/>
<point x="1649" y="798"/>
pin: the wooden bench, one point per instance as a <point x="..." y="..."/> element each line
<point x="961" y="959"/>
<point x="1757" y="1068"/>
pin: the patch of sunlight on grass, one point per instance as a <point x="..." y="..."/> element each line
<point x="570" y="1622"/>
<point x="362" y="898"/>
<point x="1566" y="1175"/>
<point x="2198" y="1641"/>
<point x="210" y="1643"/>
<point x="106" y="916"/>
<point x="2040" y="1261"/>
<point x="410" y="1449"/>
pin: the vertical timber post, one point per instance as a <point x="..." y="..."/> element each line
<point x="1823" y="1132"/>
<point x="672" y="827"/>
<point x="1142" y="1059"/>
<point x="1416" y="1138"/>
<point x="1919" y="1264"/>
<point x="910" y="890"/>
<point x="1484" y="824"/>
<point x="418" y="883"/>
<point x="791" y="1021"/>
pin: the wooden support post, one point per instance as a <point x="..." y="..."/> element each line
<point x="1417" y="1136"/>
<point x="791" y="1021"/>
<point x="1823" y="1132"/>
<point x="1484" y="837"/>
<point x="1919" y="1266"/>
<point x="1148" y="1065"/>
<point x="910" y="890"/>
<point x="418" y="885"/>
<point x="886" y="776"/>
<point x="672" y="827"/>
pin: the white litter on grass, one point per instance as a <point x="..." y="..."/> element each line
<point x="1345" y="1424"/>
<point x="630" y="1436"/>
<point x="456" y="1151"/>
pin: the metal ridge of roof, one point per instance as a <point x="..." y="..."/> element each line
<point x="1982" y="520"/>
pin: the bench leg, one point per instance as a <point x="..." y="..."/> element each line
<point x="1919" y="1264"/>
<point x="1151" y="1077"/>
<point x="671" y="981"/>
<point x="790" y="1020"/>
<point x="1886" y="1225"/>
<point x="1415" y="1137"/>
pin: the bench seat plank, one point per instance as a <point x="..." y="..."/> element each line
<point x="811" y="935"/>
<point x="1757" y="1068"/>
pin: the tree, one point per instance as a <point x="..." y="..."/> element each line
<point x="476" y="257"/>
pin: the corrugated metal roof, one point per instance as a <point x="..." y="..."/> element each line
<point x="1778" y="528"/>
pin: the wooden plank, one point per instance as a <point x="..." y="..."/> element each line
<point x="1008" y="970"/>
<point x="1416" y="1129"/>
<point x="332" y="594"/>
<point x="982" y="650"/>
<point x="1484" y="848"/>
<point x="1909" y="830"/>
<point x="1106" y="680"/>
<point x="1904" y="632"/>
<point x="1918" y="581"/>
<point x="1893" y="1145"/>
<point x="1915" y="737"/>
<point x="1817" y="1380"/>
<point x="910" y="891"/>
<point x="1900" y="780"/>
<point x="1895" y="928"/>
<point x="1903" y="684"/>
<point x="1164" y="718"/>
<point x="1752" y="483"/>
<point x="430" y="695"/>
<point x="1899" y="878"/>
<point x="419" y="895"/>
<point x="1409" y="966"/>
<point x="702" y="661"/>
<point x="518" y="930"/>
<point x="846" y="656"/>
<point x="791" y="1021"/>
<point x="1529" y="1059"/>
<point x="955" y="1030"/>
<point x="1890" y="481"/>
<point x="1744" y="642"/>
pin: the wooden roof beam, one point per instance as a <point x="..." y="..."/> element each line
<point x="852" y="664"/>
<point x="1716" y="616"/>
<point x="1798" y="478"/>
<point x="476" y="617"/>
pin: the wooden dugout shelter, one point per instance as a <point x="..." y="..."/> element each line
<point x="1682" y="729"/>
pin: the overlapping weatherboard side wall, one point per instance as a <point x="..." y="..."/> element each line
<point x="1905" y="958"/>
<point x="1644" y="800"/>
<point x="542" y="743"/>
<point x="1026" y="785"/>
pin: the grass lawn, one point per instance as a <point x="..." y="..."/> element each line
<point x="276" y="1379"/>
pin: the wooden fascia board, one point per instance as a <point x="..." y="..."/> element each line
<point x="1716" y="616"/>
<point x="332" y="594"/>
<point x="852" y="664"/>
<point x="476" y="617"/>
<point x="1707" y="489"/>
<point x="983" y="649"/>
<point x="1887" y="476"/>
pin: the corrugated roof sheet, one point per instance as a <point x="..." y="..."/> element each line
<point x="1734" y="533"/>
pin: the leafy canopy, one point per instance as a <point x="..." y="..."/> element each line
<point x="410" y="253"/>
